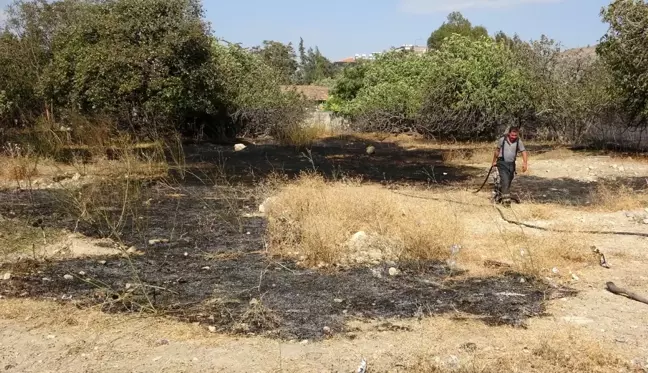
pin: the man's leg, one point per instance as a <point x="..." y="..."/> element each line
<point x="506" y="177"/>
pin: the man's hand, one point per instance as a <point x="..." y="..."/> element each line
<point x="525" y="167"/>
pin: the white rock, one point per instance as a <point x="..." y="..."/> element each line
<point x="326" y="330"/>
<point x="371" y="149"/>
<point x="102" y="262"/>
<point x="68" y="277"/>
<point x="76" y="177"/>
<point x="338" y="300"/>
<point x="6" y="276"/>
<point x="212" y="329"/>
<point x="554" y="270"/>
<point x="82" y="273"/>
<point x="621" y="169"/>
<point x="156" y="241"/>
<point x="358" y="236"/>
<point x="239" y="147"/>
<point x="205" y="268"/>
<point x="574" y="277"/>
<point x="263" y="208"/>
<point x="645" y="221"/>
<point x="393" y="271"/>
<point x="304" y="342"/>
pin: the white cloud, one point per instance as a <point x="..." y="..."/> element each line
<point x="432" y="6"/>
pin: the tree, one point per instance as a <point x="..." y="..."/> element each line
<point x="624" y="50"/>
<point x="280" y="57"/>
<point x="316" y="67"/>
<point x="456" y="23"/>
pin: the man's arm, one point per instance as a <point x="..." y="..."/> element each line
<point x="525" y="156"/>
<point x="525" y="160"/>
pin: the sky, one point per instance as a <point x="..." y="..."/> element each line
<point x="342" y="28"/>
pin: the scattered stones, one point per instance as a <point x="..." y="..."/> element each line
<point x="239" y="147"/>
<point x="68" y="277"/>
<point x="393" y="271"/>
<point x="6" y="276"/>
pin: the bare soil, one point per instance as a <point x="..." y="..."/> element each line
<point x="198" y="268"/>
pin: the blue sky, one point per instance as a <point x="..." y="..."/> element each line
<point x="342" y="28"/>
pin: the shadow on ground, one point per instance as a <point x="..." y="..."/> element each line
<point x="332" y="157"/>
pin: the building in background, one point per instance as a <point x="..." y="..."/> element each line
<point x="418" y="49"/>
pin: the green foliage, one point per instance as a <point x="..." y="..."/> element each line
<point x="624" y="50"/>
<point x="252" y="91"/>
<point x="456" y="23"/>
<point x="279" y="56"/>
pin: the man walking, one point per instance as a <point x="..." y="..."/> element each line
<point x="508" y="147"/>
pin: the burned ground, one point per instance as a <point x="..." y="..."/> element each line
<point x="214" y="268"/>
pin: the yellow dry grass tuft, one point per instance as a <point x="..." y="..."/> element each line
<point x="301" y="136"/>
<point x="617" y="198"/>
<point x="315" y="219"/>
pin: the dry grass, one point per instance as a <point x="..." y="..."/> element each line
<point x="315" y="220"/>
<point x="301" y="136"/>
<point x="531" y="252"/>
<point x="19" y="237"/>
<point x="560" y="352"/>
<point x="617" y="198"/>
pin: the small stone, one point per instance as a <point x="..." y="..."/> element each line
<point x="68" y="277"/>
<point x="163" y="342"/>
<point x="621" y="169"/>
<point x="239" y="147"/>
<point x="128" y="286"/>
<point x="51" y="336"/>
<point x="575" y="277"/>
<point x="206" y="268"/>
<point x="102" y="262"/>
<point x="6" y="276"/>
<point x="132" y="250"/>
<point x="254" y="302"/>
<point x="645" y="221"/>
<point x="212" y="329"/>
<point x="82" y="273"/>
<point x="186" y="253"/>
<point x="76" y="177"/>
<point x="393" y="271"/>
<point x="156" y="241"/>
<point x="326" y="330"/>
<point x="554" y="270"/>
<point x="338" y="300"/>
<point x="304" y="342"/>
<point x="371" y="149"/>
<point x="46" y="279"/>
